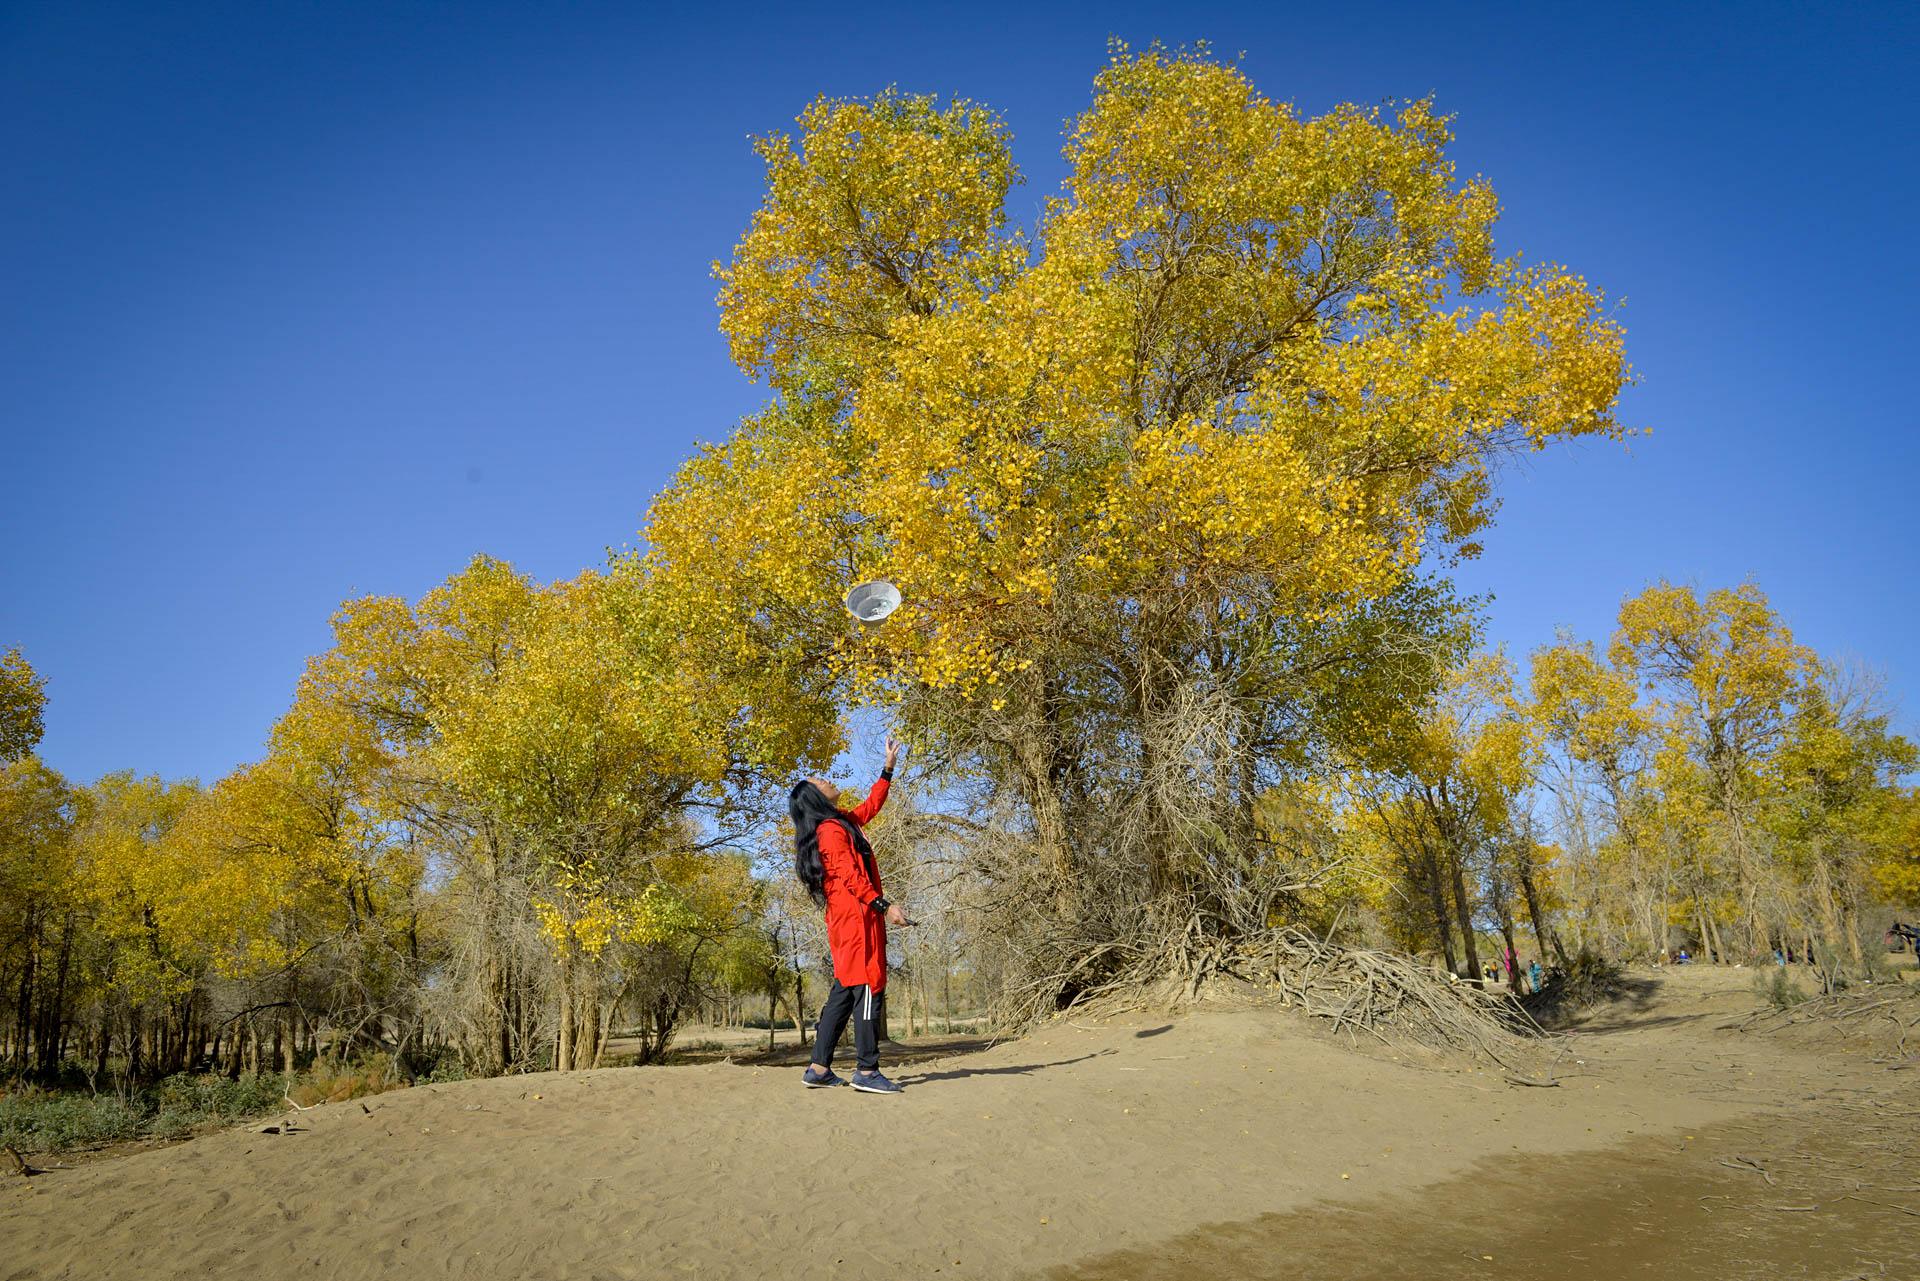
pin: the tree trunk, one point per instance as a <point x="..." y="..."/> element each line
<point x="1042" y="794"/>
<point x="1850" y="928"/>
<point x="609" y="1013"/>
<point x="54" y="1024"/>
<point x="563" y="1044"/>
<point x="587" y="1038"/>
<point x="1436" y="896"/>
<point x="1823" y="899"/>
<point x="1543" y="935"/>
<point x="1465" y="906"/>
<point x="501" y="1048"/>
<point x="1743" y="861"/>
<point x="1719" y="949"/>
<point x="23" y="1000"/>
<point x="1511" y="961"/>
<point x="800" y="1005"/>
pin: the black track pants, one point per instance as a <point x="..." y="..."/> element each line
<point x="868" y="1010"/>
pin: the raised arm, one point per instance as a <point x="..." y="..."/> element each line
<point x="863" y="812"/>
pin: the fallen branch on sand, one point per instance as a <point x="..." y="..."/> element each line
<point x="1748" y="1163"/>
<point x="1874" y="1017"/>
<point x="1840" y="1007"/>
<point x="1888" y="1205"/>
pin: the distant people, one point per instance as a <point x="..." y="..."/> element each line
<point x="833" y="860"/>
<point x="1536" y="977"/>
<point x="1685" y="957"/>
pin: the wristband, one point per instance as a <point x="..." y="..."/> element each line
<point x="880" y="904"/>
<point x="887" y="773"/>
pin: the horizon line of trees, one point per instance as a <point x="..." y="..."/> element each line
<point x="376" y="885"/>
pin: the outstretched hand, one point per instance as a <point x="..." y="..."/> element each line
<point x="893" y="753"/>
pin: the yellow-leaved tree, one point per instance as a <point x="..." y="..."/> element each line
<point x="1448" y="801"/>
<point x="1158" y="477"/>
<point x="1589" y="711"/>
<point x="41" y="901"/>
<point x="23" y="701"/>
<point x="1727" y="672"/>
<point x="572" y="778"/>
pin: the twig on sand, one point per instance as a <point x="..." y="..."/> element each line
<point x="1748" y="1163"/>
<point x="1514" y="1078"/>
<point x="1883" y="1204"/>
<point x="297" y="1107"/>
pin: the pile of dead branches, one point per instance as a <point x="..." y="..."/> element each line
<point x="1361" y="991"/>
<point x="1885" y="1017"/>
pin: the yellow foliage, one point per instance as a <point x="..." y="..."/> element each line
<point x="1263" y="357"/>
<point x="23" y="701"/>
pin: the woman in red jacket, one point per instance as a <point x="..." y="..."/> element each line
<point x="835" y="863"/>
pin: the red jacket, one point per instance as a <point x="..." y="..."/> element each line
<point x="856" y="934"/>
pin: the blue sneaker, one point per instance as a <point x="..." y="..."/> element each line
<point x="874" y="1083"/>
<point x="821" y="1082"/>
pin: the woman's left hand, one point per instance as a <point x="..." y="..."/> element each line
<point x="893" y="753"/>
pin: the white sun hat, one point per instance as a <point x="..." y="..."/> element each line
<point x="871" y="602"/>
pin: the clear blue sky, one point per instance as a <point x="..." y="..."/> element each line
<point x="302" y="301"/>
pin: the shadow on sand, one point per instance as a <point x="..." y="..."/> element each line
<point x="1012" y="1069"/>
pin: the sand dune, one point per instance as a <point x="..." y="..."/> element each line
<point x="1090" y="1148"/>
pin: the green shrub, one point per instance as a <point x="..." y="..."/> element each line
<point x="1587" y="979"/>
<point x="1590" y="978"/>
<point x="217" y="1097"/>
<point x="69" y="1114"/>
<point x="1778" y="989"/>
<point x="328" y="1082"/>
<point x="39" y="1121"/>
<point x="35" y="1119"/>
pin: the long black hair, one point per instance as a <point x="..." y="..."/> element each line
<point x="810" y="808"/>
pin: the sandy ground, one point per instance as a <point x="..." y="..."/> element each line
<point x="1231" y="1143"/>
